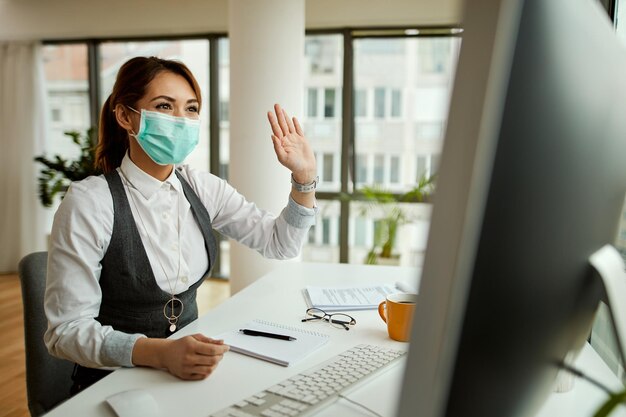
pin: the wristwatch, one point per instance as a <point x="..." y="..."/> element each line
<point x="305" y="188"/>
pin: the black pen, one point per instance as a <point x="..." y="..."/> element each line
<point x="264" y="334"/>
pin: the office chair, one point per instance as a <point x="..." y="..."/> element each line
<point x="48" y="379"/>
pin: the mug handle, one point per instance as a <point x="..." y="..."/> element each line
<point x="381" y="310"/>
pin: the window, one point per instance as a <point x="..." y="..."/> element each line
<point x="401" y="88"/>
<point x="321" y="120"/>
<point x="329" y="103"/>
<point x="328" y="167"/>
<point x="311" y="103"/>
<point x="361" y="168"/>
<point x="409" y="107"/>
<point x="325" y="230"/>
<point x="396" y="103"/>
<point x="422" y="167"/>
<point x="379" y="103"/>
<point x="67" y="91"/>
<point x="394" y="169"/>
<point x="360" y="103"/>
<point x="379" y="169"/>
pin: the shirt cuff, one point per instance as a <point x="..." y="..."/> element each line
<point x="299" y="216"/>
<point x="117" y="349"/>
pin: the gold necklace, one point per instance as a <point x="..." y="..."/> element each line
<point x="169" y="309"/>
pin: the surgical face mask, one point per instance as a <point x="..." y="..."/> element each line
<point x="167" y="139"/>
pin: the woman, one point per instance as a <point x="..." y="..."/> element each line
<point x="129" y="248"/>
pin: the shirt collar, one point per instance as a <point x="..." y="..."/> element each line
<point x="146" y="184"/>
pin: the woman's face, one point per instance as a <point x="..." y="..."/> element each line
<point x="171" y="94"/>
<point x="167" y="93"/>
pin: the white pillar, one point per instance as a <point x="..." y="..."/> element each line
<point x="266" y="67"/>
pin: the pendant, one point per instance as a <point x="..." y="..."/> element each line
<point x="171" y="315"/>
<point x="172" y="320"/>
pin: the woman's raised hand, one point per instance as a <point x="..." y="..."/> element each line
<point x="292" y="148"/>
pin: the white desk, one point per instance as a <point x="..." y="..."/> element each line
<point x="277" y="297"/>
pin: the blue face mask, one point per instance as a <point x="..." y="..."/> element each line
<point x="167" y="139"/>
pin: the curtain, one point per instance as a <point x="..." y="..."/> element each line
<point x="22" y="128"/>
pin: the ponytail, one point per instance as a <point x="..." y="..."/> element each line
<point x="112" y="140"/>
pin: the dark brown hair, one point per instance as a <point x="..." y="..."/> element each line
<point x="130" y="86"/>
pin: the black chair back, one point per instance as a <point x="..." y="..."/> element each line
<point x="48" y="379"/>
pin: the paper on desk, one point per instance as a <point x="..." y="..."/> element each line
<point x="362" y="297"/>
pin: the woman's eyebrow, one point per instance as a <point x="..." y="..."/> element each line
<point x="173" y="100"/>
<point x="164" y="98"/>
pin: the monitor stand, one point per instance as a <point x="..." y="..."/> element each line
<point x="610" y="267"/>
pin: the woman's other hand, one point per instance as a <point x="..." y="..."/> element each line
<point x="292" y="148"/>
<point x="192" y="357"/>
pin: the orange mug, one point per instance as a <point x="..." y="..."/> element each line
<point x="397" y="311"/>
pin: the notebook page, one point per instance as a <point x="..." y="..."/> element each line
<point x="282" y="352"/>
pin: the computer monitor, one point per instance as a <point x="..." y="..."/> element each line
<point x="532" y="182"/>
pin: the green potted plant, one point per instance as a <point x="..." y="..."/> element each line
<point x="393" y="216"/>
<point x="58" y="173"/>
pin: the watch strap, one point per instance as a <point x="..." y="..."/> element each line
<point x="305" y="188"/>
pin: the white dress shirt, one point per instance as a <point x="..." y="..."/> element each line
<point x="81" y="234"/>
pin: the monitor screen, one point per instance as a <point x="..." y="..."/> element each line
<point x="532" y="182"/>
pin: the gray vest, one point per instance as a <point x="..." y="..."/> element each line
<point x="132" y="302"/>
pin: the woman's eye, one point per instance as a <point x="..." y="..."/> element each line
<point x="164" y="106"/>
<point x="192" y="109"/>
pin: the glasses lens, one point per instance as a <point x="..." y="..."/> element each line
<point x="341" y="320"/>
<point x="315" y="313"/>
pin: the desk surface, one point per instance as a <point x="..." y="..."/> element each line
<point x="277" y="297"/>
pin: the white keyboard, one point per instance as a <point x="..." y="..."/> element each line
<point x="317" y="387"/>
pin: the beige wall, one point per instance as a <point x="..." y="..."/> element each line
<point x="66" y="19"/>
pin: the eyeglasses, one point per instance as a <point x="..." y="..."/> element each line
<point x="339" y="320"/>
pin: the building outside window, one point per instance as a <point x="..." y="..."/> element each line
<point x="410" y="80"/>
<point x="321" y="123"/>
<point x="66" y="75"/>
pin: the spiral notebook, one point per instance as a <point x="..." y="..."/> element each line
<point x="281" y="352"/>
